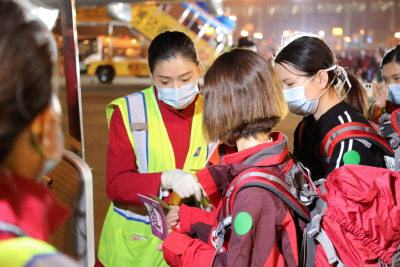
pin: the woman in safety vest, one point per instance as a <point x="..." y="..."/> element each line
<point x="155" y="145"/>
<point x="243" y="102"/>
<point x="331" y="101"/>
<point x="388" y="99"/>
<point x="30" y="141"/>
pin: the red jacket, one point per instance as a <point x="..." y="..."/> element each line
<point x="30" y="206"/>
<point x="276" y="234"/>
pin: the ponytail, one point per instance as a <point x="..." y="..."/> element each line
<point x="356" y="95"/>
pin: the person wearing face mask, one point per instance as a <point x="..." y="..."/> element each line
<point x="156" y="144"/>
<point x="243" y="102"/>
<point x="30" y="141"/>
<point x="326" y="96"/>
<point x="388" y="99"/>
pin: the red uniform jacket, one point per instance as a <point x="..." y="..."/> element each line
<point x="30" y="206"/>
<point x="276" y="234"/>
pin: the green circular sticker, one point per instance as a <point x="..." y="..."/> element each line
<point x="351" y="157"/>
<point x="243" y="223"/>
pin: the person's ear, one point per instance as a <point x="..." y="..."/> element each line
<point x="322" y="79"/>
<point x="41" y="129"/>
<point x="151" y="77"/>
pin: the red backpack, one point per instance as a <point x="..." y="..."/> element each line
<point x="296" y="190"/>
<point x="355" y="220"/>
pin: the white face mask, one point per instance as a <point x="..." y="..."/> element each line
<point x="297" y="101"/>
<point x="394" y="93"/>
<point x="179" y="98"/>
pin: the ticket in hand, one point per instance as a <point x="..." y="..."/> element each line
<point x="158" y="221"/>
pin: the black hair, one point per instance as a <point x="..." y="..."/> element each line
<point x="170" y="44"/>
<point x="310" y="55"/>
<point x="245" y="42"/>
<point x="27" y="55"/>
<point x="393" y="55"/>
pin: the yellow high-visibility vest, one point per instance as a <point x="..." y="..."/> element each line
<point x="149" y="139"/>
<point x="27" y="251"/>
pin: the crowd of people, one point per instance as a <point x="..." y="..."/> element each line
<point x="212" y="147"/>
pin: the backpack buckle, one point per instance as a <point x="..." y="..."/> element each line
<point x="315" y="225"/>
<point x="223" y="226"/>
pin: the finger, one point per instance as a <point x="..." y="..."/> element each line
<point x="159" y="247"/>
<point x="175" y="218"/>
<point x="385" y="90"/>
<point x="172" y="213"/>
<point x="185" y="192"/>
<point x="170" y="220"/>
<point x="375" y="88"/>
<point x="197" y="191"/>
<point x="174" y="223"/>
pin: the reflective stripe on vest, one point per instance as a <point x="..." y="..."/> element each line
<point x="137" y="113"/>
<point x="26" y="251"/>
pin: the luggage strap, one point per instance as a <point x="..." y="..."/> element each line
<point x="223" y="227"/>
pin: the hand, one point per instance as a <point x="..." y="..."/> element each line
<point x="159" y="246"/>
<point x="183" y="183"/>
<point x="381" y="97"/>
<point x="173" y="217"/>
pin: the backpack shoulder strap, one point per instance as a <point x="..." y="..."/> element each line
<point x="352" y="130"/>
<point x="258" y="177"/>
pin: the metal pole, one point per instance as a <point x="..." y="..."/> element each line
<point x="110" y="43"/>
<point x="72" y="77"/>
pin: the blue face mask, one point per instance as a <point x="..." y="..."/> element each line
<point x="296" y="97"/>
<point x="394" y="93"/>
<point x="297" y="101"/>
<point x="179" y="98"/>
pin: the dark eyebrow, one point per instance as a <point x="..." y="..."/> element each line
<point x="185" y="73"/>
<point x="159" y="76"/>
<point x="285" y="80"/>
<point x="395" y="74"/>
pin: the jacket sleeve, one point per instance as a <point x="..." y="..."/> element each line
<point x="191" y="215"/>
<point x="256" y="247"/>
<point x="124" y="181"/>
<point x="368" y="156"/>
